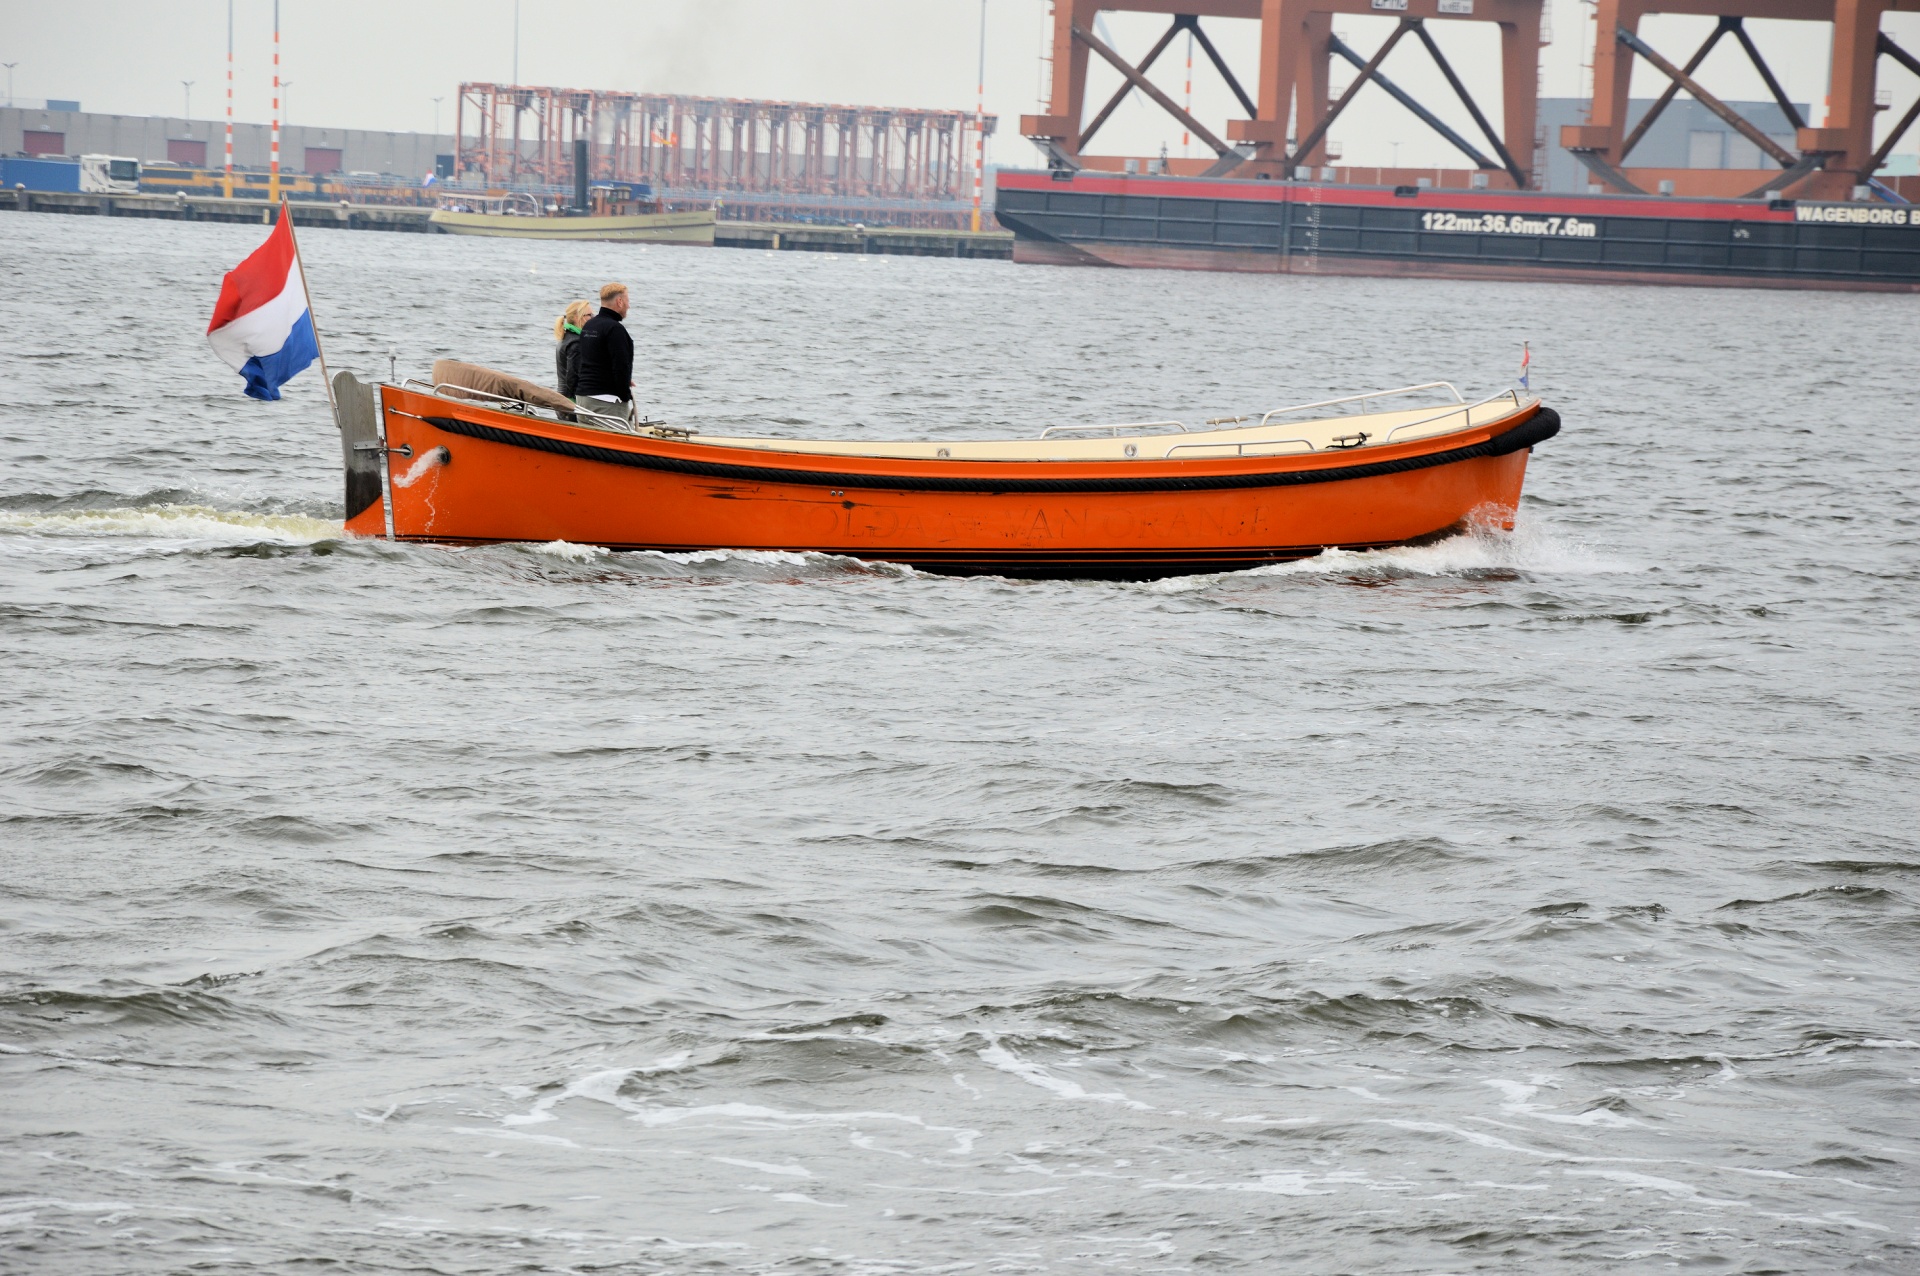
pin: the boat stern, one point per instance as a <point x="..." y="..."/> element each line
<point x="363" y="454"/>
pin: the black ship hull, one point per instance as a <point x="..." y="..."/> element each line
<point x="1325" y="228"/>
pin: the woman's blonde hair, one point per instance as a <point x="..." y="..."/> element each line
<point x="577" y="314"/>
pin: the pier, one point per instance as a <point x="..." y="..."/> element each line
<point x="193" y="208"/>
<point x="891" y="241"/>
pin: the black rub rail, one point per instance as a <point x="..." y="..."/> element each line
<point x="1538" y="428"/>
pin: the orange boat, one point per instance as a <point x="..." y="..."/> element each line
<point x="450" y="464"/>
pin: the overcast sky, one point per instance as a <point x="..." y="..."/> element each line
<point x="379" y="64"/>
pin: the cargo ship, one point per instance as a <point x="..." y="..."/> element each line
<point x="1085" y="218"/>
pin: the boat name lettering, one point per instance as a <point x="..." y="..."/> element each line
<point x="1856" y="214"/>
<point x="1510" y="224"/>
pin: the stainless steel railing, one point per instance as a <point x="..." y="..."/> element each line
<point x="1240" y="449"/>
<point x="1448" y="386"/>
<point x="1465" y="409"/>
<point x="1113" y="431"/>
<point x="1462" y="409"/>
<point x="1235" y="421"/>
<point x="520" y="407"/>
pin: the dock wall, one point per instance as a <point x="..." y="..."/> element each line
<point x="767" y="236"/>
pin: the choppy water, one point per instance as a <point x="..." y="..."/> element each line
<point x="1517" y="904"/>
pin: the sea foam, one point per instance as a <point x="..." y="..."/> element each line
<point x="201" y="523"/>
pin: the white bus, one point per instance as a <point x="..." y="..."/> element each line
<point x="109" y="175"/>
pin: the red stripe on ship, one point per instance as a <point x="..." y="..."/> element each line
<point x="1532" y="202"/>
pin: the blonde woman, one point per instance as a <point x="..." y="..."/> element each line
<point x="566" y="357"/>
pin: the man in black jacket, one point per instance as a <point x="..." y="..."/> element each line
<point x="606" y="358"/>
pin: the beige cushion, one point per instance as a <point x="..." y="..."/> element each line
<point x="454" y="376"/>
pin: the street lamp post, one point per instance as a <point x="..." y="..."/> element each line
<point x="10" y="66"/>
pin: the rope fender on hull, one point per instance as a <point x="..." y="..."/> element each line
<point x="1542" y="425"/>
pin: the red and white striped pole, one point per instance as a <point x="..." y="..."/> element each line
<point x="273" y="180"/>
<point x="1186" y="138"/>
<point x="227" y="184"/>
<point x="980" y="124"/>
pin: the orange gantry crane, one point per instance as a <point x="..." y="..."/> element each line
<point x="1288" y="114"/>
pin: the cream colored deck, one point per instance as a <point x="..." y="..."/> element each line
<point x="1277" y="438"/>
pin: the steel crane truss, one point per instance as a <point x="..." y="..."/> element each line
<point x="724" y="146"/>
<point x="1297" y="45"/>
<point x="1842" y="147"/>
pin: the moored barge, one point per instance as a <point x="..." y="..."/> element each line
<point x="1088" y="218"/>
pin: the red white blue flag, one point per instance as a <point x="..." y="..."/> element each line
<point x="262" y="325"/>
<point x="1526" y="362"/>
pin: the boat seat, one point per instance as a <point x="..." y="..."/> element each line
<point x="450" y="377"/>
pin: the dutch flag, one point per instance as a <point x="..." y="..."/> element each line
<point x="263" y="326"/>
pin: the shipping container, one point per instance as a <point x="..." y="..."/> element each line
<point x="58" y="175"/>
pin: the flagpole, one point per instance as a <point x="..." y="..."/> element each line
<point x="286" y="214"/>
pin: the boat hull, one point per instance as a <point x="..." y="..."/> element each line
<point x="694" y="228"/>
<point x="467" y="475"/>
<point x="1309" y="228"/>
